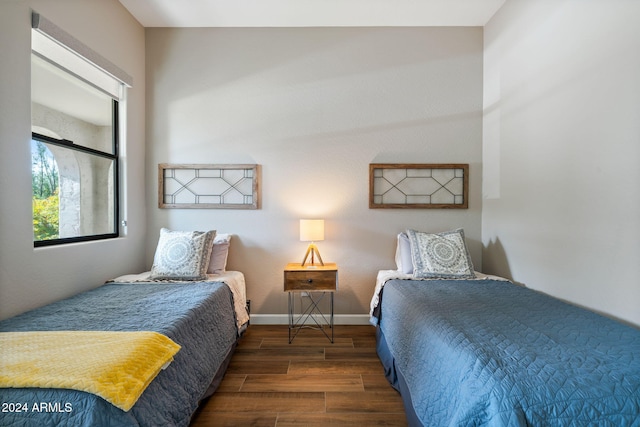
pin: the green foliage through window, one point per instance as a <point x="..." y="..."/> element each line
<point x="46" y="217"/>
<point x="45" y="185"/>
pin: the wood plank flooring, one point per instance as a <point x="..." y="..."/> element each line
<point x="310" y="382"/>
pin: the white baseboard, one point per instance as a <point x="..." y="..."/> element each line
<point x="283" y="319"/>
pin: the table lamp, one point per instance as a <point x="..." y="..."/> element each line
<point x="312" y="230"/>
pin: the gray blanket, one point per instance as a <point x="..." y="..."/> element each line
<point x="198" y="316"/>
<point x="485" y="352"/>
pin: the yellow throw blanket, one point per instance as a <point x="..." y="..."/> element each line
<point x="117" y="366"/>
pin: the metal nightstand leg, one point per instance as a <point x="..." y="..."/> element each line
<point x="312" y="308"/>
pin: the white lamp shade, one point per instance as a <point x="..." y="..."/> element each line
<point x="311" y="230"/>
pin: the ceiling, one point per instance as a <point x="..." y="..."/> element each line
<point x="312" y="13"/>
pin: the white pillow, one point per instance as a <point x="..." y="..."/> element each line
<point x="182" y="255"/>
<point x="403" y="254"/>
<point x="442" y="255"/>
<point x="219" y="254"/>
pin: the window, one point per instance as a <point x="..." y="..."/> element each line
<point x="75" y="140"/>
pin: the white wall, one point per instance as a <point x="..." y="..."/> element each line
<point x="561" y="210"/>
<point x="314" y="107"/>
<point x="33" y="277"/>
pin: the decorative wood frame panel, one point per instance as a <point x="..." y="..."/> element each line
<point x="422" y="186"/>
<point x="202" y="186"/>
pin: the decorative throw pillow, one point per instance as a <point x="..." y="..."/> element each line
<point x="182" y="255"/>
<point x="442" y="255"/>
<point x="219" y="254"/>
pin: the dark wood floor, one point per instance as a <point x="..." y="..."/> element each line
<point x="309" y="382"/>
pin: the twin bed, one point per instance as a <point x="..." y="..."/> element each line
<point x="197" y="317"/>
<point x="467" y="349"/>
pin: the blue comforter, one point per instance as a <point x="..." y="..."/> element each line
<point x="197" y="316"/>
<point x="485" y="352"/>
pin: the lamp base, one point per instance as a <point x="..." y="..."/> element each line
<point x="312" y="249"/>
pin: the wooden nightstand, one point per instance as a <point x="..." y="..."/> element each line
<point x="317" y="279"/>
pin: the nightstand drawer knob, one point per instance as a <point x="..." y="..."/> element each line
<point x="309" y="280"/>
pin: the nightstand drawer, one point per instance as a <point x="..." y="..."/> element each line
<point x="310" y="280"/>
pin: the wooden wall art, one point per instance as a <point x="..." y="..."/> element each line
<point x="422" y="186"/>
<point x="202" y="186"/>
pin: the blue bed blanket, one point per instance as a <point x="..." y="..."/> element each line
<point x="197" y="316"/>
<point x="487" y="352"/>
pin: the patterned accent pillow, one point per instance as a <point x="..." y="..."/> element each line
<point x="182" y="255"/>
<point x="442" y="255"/>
